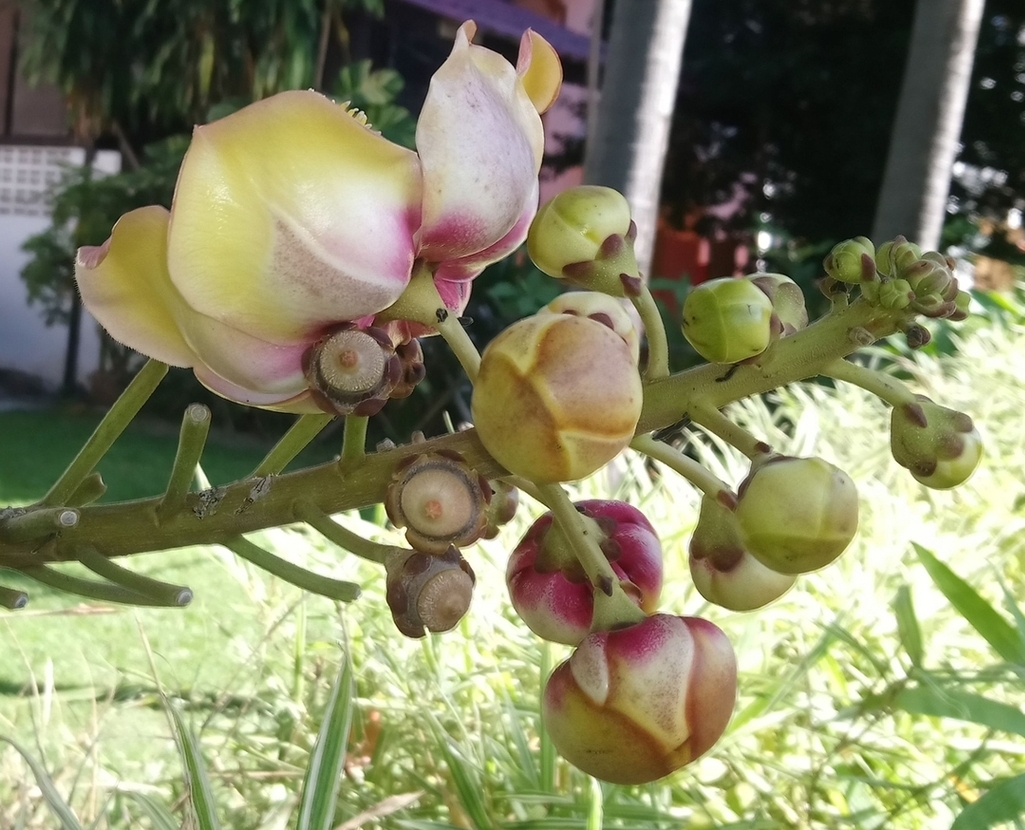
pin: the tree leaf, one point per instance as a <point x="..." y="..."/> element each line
<point x="1005" y="802"/>
<point x="980" y="614"/>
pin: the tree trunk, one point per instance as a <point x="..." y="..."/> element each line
<point x="628" y="146"/>
<point x="930" y="111"/>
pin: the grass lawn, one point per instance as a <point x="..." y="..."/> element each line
<point x="65" y="661"/>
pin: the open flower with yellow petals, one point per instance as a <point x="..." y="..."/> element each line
<point x="292" y="219"/>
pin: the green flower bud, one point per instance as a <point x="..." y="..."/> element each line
<point x="962" y="300"/>
<point x="797" y="514"/>
<point x="892" y="257"/>
<point x="847" y="261"/>
<point x="787" y="300"/>
<point x="727" y="320"/>
<point x="557" y="396"/>
<point x="573" y="226"/>
<point x="895" y="294"/>
<point x="724" y="572"/>
<point x="940" y="446"/>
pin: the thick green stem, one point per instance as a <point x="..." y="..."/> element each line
<point x="687" y="467"/>
<point x="104" y="591"/>
<point x="37" y="524"/>
<point x="161" y="593"/>
<point x="307" y="511"/>
<point x="191" y="441"/>
<point x="718" y="424"/>
<point x="118" y="417"/>
<point x="245" y="506"/>
<point x="12" y="599"/>
<point x="887" y="388"/>
<point x="612" y="607"/>
<point x="354" y="440"/>
<point x="293" y="442"/>
<point x="300" y="577"/>
<point x="655" y="331"/>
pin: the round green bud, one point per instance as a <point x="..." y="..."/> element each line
<point x="847" y="263"/>
<point x="895" y="294"/>
<point x="896" y="255"/>
<point x="727" y="320"/>
<point x="941" y="447"/>
<point x="572" y="227"/>
<point x="797" y="514"/>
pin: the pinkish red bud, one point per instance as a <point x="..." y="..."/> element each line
<point x="548" y="587"/>
<point x="633" y="705"/>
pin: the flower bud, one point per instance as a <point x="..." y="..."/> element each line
<point x="572" y="227"/>
<point x="551" y="592"/>
<point x="633" y="705"/>
<point x="852" y="261"/>
<point x="557" y="396"/>
<point x="896" y="255"/>
<point x="428" y="593"/>
<point x="439" y="500"/>
<point x="787" y="300"/>
<point x="724" y="572"/>
<point x="940" y="446"/>
<point x="895" y="294"/>
<point x="504" y="501"/>
<point x="600" y="307"/>
<point x="727" y="320"/>
<point x="352" y="371"/>
<point x="797" y="514"/>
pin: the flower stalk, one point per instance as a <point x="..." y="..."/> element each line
<point x="708" y="483"/>
<point x="293" y="442"/>
<point x="191" y="441"/>
<point x="335" y="589"/>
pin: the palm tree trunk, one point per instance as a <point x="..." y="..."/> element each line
<point x="628" y="146"/>
<point x="930" y="111"/>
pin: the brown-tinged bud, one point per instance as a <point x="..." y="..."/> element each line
<point x="599" y="307"/>
<point x="787" y="300"/>
<point x="411" y="359"/>
<point x="557" y="396"/>
<point x="505" y="499"/>
<point x="723" y="570"/>
<point x="352" y="371"/>
<point x="428" y="593"/>
<point x="941" y="447"/>
<point x="439" y="500"/>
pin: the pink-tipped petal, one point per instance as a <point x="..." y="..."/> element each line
<point x="125" y="285"/>
<point x="290" y="214"/>
<point x="480" y="142"/>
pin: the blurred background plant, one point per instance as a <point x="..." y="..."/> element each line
<point x="883" y="691"/>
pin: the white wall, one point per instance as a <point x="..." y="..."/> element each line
<point x="26" y="343"/>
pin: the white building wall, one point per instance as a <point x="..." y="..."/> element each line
<point x="27" y="344"/>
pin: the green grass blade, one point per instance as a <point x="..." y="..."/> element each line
<point x="1005" y="802"/>
<point x="196" y="779"/>
<point x="160" y="817"/>
<point x="465" y="778"/>
<point x="980" y="614"/>
<point x="319" y="796"/>
<point x="966" y="706"/>
<point x="58" y="806"/>
<point x="907" y="625"/>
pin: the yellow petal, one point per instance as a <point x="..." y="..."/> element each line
<point x="480" y="142"/>
<point x="290" y="215"/>
<point x="126" y="287"/>
<point x="540" y="70"/>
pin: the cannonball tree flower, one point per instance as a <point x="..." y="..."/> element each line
<point x="292" y="219"/>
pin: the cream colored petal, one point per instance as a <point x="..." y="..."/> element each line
<point x="290" y="215"/>
<point x="540" y="70"/>
<point x="480" y="142"/>
<point x="299" y="404"/>
<point x="125" y="285"/>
